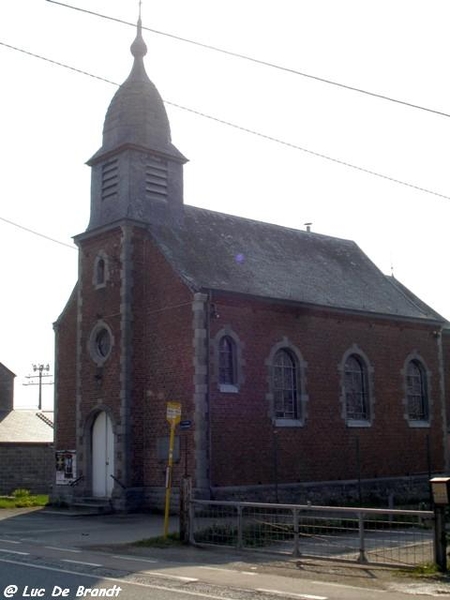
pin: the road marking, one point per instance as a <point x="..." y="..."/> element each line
<point x="161" y="588"/>
<point x="147" y="560"/>
<point x="9" y="542"/>
<point x="169" y="576"/>
<point x="14" y="552"/>
<point x="292" y="594"/>
<point x="79" y="562"/>
<point x="62" y="549"/>
<point x="227" y="570"/>
<point x="344" y="586"/>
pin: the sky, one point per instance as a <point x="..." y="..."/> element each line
<point x="51" y="121"/>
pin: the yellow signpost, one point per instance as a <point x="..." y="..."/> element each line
<point x="173" y="415"/>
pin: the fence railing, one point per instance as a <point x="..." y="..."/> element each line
<point x="367" y="535"/>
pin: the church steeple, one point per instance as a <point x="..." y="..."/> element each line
<point x="139" y="47"/>
<point x="137" y="172"/>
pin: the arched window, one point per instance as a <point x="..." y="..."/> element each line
<point x="227" y="361"/>
<point x="285" y="386"/>
<point x="100" y="274"/>
<point x="416" y="392"/>
<point x="100" y="270"/>
<point x="357" y="404"/>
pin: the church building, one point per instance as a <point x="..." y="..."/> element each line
<point x="298" y="365"/>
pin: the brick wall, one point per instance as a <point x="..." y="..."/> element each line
<point x="65" y="380"/>
<point x="162" y="360"/>
<point x="99" y="386"/>
<point x="160" y="354"/>
<point x="29" y="466"/>
<point x="247" y="451"/>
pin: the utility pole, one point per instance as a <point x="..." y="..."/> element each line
<point x="42" y="371"/>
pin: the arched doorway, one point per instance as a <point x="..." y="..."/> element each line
<point x="102" y="456"/>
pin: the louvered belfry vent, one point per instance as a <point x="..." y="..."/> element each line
<point x="110" y="179"/>
<point x="156" y="178"/>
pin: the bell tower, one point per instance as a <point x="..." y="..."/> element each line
<point x="137" y="181"/>
<point x="137" y="173"/>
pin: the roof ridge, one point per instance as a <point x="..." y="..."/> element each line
<point x="214" y="250"/>
<point x="277" y="225"/>
<point x="412" y="298"/>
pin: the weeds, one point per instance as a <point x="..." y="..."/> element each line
<point x="22" y="498"/>
<point x="173" y="539"/>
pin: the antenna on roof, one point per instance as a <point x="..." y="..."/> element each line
<point x="392" y="267"/>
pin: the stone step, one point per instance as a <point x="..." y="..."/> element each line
<point x="91" y="506"/>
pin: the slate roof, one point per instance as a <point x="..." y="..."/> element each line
<point x="223" y="252"/>
<point x="26" y="426"/>
<point x="136" y="114"/>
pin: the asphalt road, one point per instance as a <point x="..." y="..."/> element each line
<point x="49" y="583"/>
<point x="40" y="550"/>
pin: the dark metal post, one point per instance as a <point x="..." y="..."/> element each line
<point x="185" y="507"/>
<point x="358" y="468"/>
<point x="275" y="462"/>
<point x="428" y="455"/>
<point x="240" y="528"/>
<point x="362" y="549"/>
<point x="440" y="540"/>
<point x="296" y="532"/>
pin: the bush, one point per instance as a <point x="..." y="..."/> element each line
<point x="22" y="498"/>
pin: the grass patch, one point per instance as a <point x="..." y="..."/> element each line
<point x="173" y="539"/>
<point x="427" y="570"/>
<point x="22" y="498"/>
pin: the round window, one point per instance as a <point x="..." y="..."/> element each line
<point x="103" y="342"/>
<point x="100" y="343"/>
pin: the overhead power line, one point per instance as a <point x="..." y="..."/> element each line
<point x="259" y="61"/>
<point x="55" y="62"/>
<point x="314" y="153"/>
<point x="244" y="129"/>
<point x="34" y="232"/>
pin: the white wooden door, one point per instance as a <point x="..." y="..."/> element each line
<point x="102" y="456"/>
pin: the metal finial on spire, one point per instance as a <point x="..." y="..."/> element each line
<point x="139" y="47"/>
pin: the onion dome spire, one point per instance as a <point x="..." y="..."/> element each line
<point x="137" y="114"/>
<point x="138" y="172"/>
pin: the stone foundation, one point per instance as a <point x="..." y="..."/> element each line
<point x="377" y="492"/>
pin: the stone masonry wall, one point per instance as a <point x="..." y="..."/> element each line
<point x="29" y="466"/>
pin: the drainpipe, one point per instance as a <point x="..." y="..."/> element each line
<point x="439" y="335"/>
<point x="208" y="386"/>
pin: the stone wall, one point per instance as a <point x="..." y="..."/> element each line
<point x="28" y="466"/>
<point x="382" y="492"/>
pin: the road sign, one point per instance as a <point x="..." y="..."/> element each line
<point x="173" y="415"/>
<point x="173" y="412"/>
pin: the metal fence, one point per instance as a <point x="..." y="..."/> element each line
<point x="366" y="535"/>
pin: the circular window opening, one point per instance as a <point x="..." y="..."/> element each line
<point x="100" y="343"/>
<point x="103" y="343"/>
